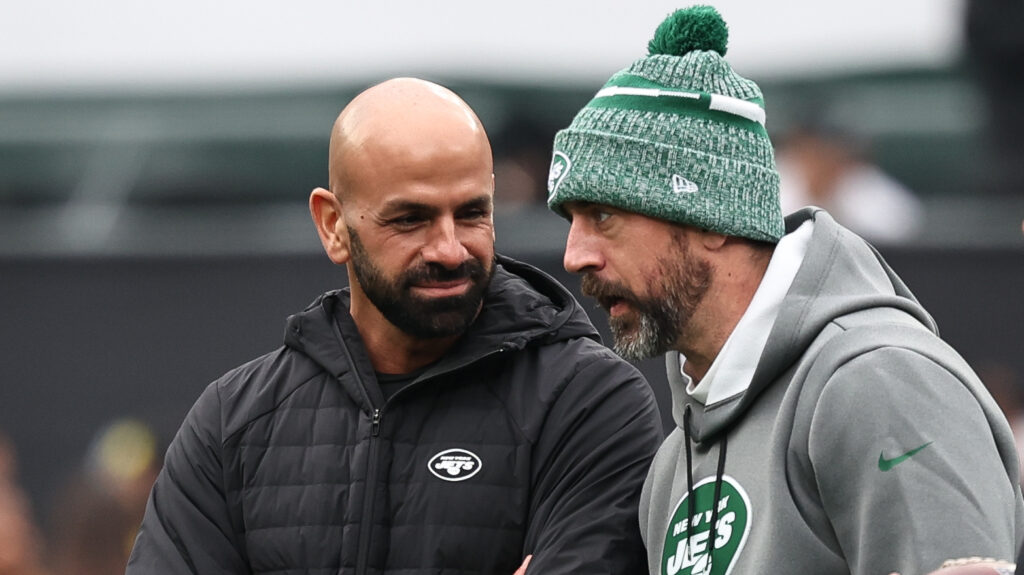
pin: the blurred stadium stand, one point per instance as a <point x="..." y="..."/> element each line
<point x="229" y="173"/>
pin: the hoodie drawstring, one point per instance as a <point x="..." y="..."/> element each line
<point x="718" y="495"/>
<point x="689" y="487"/>
<point x="689" y="467"/>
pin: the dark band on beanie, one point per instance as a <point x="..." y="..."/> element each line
<point x="678" y="135"/>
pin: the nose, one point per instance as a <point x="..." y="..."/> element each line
<point x="581" y="253"/>
<point x="444" y="246"/>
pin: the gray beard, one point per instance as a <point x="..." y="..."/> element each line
<point x="661" y="319"/>
<point x="647" y="340"/>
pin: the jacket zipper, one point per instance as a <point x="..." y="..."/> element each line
<point x="366" y="525"/>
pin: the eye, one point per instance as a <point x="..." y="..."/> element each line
<point x="474" y="214"/>
<point x="407" y="220"/>
<point x="473" y="211"/>
<point x="601" y="216"/>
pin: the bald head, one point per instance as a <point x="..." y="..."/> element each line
<point x="405" y="124"/>
<point x="410" y="215"/>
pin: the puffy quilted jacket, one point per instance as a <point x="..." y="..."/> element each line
<point x="528" y="437"/>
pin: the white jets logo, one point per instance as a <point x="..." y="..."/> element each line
<point x="681" y="185"/>
<point x="689" y="548"/>
<point x="454" y="465"/>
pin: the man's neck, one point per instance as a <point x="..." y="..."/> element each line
<point x="390" y="349"/>
<point x="393" y="351"/>
<point x="735" y="282"/>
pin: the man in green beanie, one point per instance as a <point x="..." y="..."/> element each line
<point x="822" y="425"/>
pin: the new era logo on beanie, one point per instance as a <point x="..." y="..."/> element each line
<point x="677" y="135"/>
<point x="681" y="185"/>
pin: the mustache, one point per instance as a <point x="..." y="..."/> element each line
<point x="603" y="290"/>
<point x="433" y="272"/>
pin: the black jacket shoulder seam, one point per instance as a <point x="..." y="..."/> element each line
<point x="270" y="410"/>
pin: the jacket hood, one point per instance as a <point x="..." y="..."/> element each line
<point x="523" y="306"/>
<point x="840" y="274"/>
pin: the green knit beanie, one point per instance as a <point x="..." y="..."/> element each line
<point x="677" y="136"/>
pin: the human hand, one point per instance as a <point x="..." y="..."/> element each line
<point x="973" y="566"/>
<point x="522" y="568"/>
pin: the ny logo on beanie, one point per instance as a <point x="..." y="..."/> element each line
<point x="560" y="164"/>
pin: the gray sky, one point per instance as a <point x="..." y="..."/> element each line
<point x="48" y="45"/>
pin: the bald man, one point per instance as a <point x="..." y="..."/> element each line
<point x="450" y="411"/>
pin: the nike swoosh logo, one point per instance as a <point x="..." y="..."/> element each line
<point x="887" y="464"/>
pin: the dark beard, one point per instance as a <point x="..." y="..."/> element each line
<point x="655" y="322"/>
<point x="424" y="318"/>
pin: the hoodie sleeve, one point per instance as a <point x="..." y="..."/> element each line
<point x="911" y="462"/>
<point x="186" y="527"/>
<point x="589" y="466"/>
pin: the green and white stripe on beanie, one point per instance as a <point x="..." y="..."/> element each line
<point x="677" y="136"/>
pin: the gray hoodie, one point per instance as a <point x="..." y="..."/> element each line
<point x="859" y="442"/>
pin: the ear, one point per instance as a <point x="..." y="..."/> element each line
<point x="712" y="241"/>
<point x="328" y="213"/>
<point x="494" y="236"/>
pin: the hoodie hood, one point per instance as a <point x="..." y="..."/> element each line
<point x="523" y="306"/>
<point x="840" y="274"/>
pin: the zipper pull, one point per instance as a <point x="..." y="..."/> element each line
<point x="375" y="423"/>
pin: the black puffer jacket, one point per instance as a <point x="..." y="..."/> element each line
<point x="528" y="437"/>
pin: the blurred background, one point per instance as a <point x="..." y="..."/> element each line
<point x="156" y="159"/>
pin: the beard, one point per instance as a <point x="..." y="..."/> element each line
<point x="655" y="322"/>
<point x="424" y="318"/>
